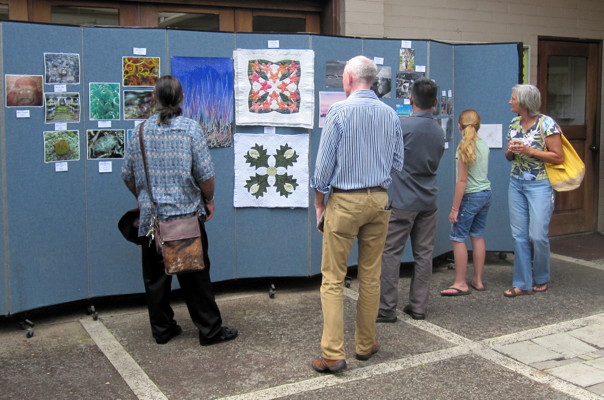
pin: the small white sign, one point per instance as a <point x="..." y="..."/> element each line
<point x="61" y="166"/>
<point x="273" y="44"/>
<point x="104" y="124"/>
<point x="406" y="101"/>
<point x="105" y="167"/>
<point x="139" y="51"/>
<point x="61" y="126"/>
<point x="405" y="44"/>
<point x="444" y="93"/>
<point x="450" y="93"/>
<point x="378" y="60"/>
<point x="270" y="129"/>
<point x="420" y="68"/>
<point x="61" y="88"/>
<point x="22" y="113"/>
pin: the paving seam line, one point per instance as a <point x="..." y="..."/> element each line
<point x="573" y="260"/>
<point x="348" y="376"/>
<point x="134" y="376"/>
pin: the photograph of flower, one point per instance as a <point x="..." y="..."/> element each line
<point x="61" y="146"/>
<point x="140" y="71"/>
<point x="407" y="60"/>
<point x="62" y="107"/>
<point x="138" y="104"/>
<point x="104" y="101"/>
<point x="105" y="143"/>
<point x="208" y="86"/>
<point x="62" y="68"/>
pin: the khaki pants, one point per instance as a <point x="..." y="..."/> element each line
<point x="349" y="216"/>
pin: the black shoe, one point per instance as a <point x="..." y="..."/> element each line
<point x="175" y="332"/>
<point x="389" y="320"/>
<point x="414" y="315"/>
<point x="224" y="335"/>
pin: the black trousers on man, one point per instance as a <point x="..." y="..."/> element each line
<point x="196" y="288"/>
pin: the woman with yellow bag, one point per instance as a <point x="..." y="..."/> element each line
<point x="533" y="140"/>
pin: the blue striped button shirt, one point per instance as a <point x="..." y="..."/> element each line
<point x="361" y="143"/>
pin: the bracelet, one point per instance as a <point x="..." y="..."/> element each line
<point x="454" y="209"/>
<point x="206" y="201"/>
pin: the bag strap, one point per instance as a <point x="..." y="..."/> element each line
<point x="142" y="144"/>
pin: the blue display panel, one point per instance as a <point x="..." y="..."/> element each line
<point x="58" y="230"/>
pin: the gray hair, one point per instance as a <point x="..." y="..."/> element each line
<point x="362" y="68"/>
<point x="529" y="97"/>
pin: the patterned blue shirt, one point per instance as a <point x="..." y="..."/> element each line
<point x="361" y="144"/>
<point x="178" y="159"/>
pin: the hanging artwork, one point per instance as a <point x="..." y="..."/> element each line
<point x="334" y="72"/>
<point x="61" y="146"/>
<point x="105" y="143"/>
<point x="271" y="170"/>
<point x="140" y="71"/>
<point x="407" y="60"/>
<point x="274" y="87"/>
<point x="138" y="104"/>
<point x="62" y="107"/>
<point x="104" y="99"/>
<point x="62" y="68"/>
<point x="326" y="99"/>
<point x="208" y="86"/>
<point x="24" y="90"/>
<point x="383" y="82"/>
<point x="404" y="83"/>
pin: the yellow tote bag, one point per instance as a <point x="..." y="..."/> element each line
<point x="568" y="175"/>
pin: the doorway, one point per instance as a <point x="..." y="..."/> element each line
<point x="568" y="76"/>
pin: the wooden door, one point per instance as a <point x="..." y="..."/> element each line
<point x="570" y="84"/>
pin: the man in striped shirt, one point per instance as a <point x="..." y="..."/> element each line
<point x="361" y="144"/>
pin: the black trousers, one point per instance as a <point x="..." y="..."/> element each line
<point x="196" y="289"/>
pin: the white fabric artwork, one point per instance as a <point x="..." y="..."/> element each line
<point x="274" y="87"/>
<point x="271" y="170"/>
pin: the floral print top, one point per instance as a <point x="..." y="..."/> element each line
<point x="524" y="166"/>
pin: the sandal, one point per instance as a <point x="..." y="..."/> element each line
<point x="514" y="292"/>
<point x="540" y="288"/>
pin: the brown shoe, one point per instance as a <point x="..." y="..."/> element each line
<point x="365" y="357"/>
<point x="321" y="364"/>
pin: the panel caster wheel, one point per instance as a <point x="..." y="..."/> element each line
<point x="272" y="291"/>
<point x="91" y="311"/>
<point x="347" y="281"/>
<point x="503" y="256"/>
<point x="29" y="333"/>
<point x="450" y="266"/>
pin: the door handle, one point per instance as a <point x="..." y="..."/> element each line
<point x="593" y="148"/>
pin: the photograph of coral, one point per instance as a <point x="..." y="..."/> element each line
<point x="271" y="170"/>
<point x="61" y="146"/>
<point x="334" y="71"/>
<point x="407" y="60"/>
<point x="383" y="82"/>
<point x="140" y="71"/>
<point x="274" y="87"/>
<point x="24" y="90"/>
<point x="138" y="104"/>
<point x="62" y="68"/>
<point x="208" y="86"/>
<point x="62" y="107"/>
<point x="105" y="143"/>
<point x="404" y="83"/>
<point x="104" y="101"/>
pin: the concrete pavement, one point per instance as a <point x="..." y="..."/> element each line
<point x="482" y="346"/>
